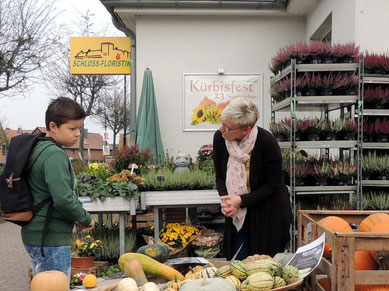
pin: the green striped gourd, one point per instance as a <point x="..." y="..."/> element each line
<point x="234" y="281"/>
<point x="290" y="274"/>
<point x="223" y="272"/>
<point x="244" y="286"/>
<point x="268" y="266"/>
<point x="239" y="269"/>
<point x="207" y="272"/>
<point x="259" y="281"/>
<point x="278" y="282"/>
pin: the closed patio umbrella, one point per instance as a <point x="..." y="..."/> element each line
<point x="147" y="124"/>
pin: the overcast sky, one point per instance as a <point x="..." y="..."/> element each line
<point x="29" y="112"/>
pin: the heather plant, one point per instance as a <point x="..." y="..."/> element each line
<point x="375" y="96"/>
<point x="343" y="169"/>
<point x="128" y="155"/>
<point x="381" y="127"/>
<point x="349" y="50"/>
<point x="322" y="170"/>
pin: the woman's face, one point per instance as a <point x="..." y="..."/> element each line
<point x="231" y="131"/>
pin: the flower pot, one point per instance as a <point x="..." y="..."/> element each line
<point x="350" y="91"/>
<point x="346" y="60"/>
<point x="329" y="136"/>
<point x="321" y="182"/>
<point x="82" y="262"/>
<point x="326" y="92"/>
<point x="310" y="92"/>
<point x="313" y="137"/>
<point x="315" y="60"/>
<point x="382" y="138"/>
<point x="327" y="60"/>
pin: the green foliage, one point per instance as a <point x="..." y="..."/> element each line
<point x="376" y="200"/>
<point x="109" y="271"/>
<point x="204" y="158"/>
<point x="79" y="166"/>
<point x="110" y="239"/>
<point x="128" y="155"/>
<point x="191" y="180"/>
<point x="104" y="189"/>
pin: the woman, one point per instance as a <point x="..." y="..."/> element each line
<point x="249" y="180"/>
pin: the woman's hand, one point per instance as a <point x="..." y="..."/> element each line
<point x="230" y="204"/>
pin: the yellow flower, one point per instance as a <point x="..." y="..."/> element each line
<point x="212" y="114"/>
<point x="198" y="114"/>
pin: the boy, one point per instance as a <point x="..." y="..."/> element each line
<point x="51" y="175"/>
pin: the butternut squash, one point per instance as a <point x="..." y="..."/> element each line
<point x="150" y="266"/>
<point x="134" y="269"/>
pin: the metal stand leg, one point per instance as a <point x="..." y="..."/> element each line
<point x="121" y="233"/>
<point x="157" y="222"/>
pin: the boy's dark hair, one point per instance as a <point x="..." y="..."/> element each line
<point x="63" y="109"/>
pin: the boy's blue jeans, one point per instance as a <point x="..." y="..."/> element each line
<point x="56" y="258"/>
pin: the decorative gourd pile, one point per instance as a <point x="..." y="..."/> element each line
<point x="255" y="273"/>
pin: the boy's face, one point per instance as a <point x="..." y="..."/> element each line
<point x="66" y="134"/>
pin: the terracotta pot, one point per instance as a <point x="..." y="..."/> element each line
<point x="82" y="262"/>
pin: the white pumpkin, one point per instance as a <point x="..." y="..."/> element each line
<point x="127" y="284"/>
<point x="150" y="286"/>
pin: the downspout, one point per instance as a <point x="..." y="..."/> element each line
<point x="128" y="32"/>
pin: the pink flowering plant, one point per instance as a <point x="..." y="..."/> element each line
<point x="204" y="158"/>
<point x="207" y="244"/>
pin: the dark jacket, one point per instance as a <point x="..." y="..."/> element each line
<point x="268" y="203"/>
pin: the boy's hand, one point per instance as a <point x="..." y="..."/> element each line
<point x="91" y="225"/>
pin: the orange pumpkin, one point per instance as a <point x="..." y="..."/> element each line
<point x="325" y="283"/>
<point x="367" y="224"/>
<point x="206" y="102"/>
<point x="334" y="224"/>
<point x="224" y="104"/>
<point x="364" y="261"/>
<point x="382" y="226"/>
<point x="50" y="281"/>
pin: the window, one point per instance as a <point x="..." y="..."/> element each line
<point x="4" y="149"/>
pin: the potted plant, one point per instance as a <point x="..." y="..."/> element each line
<point x="370" y="168"/>
<point x="344" y="171"/>
<point x="327" y="84"/>
<point x="345" y="53"/>
<point x="311" y="84"/>
<point x="368" y="130"/>
<point x="280" y="130"/>
<point x="301" y="171"/>
<point x="374" y="97"/>
<point x="376" y="63"/>
<point x="348" y="84"/>
<point x="84" y="252"/>
<point x="381" y="128"/>
<point x="321" y="172"/>
<point x="313" y="129"/>
<point x="317" y="50"/>
<point x="326" y="130"/>
<point x="282" y="89"/>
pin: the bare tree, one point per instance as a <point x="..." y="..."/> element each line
<point x="27" y="40"/>
<point x="111" y="113"/>
<point x="87" y="90"/>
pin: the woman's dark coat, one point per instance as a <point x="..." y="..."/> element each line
<point x="268" y="203"/>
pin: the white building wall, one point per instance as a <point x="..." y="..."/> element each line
<point x="173" y="45"/>
<point x="343" y="19"/>
<point x="372" y="25"/>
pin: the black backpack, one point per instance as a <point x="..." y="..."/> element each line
<point x="16" y="202"/>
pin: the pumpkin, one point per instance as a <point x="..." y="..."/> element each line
<point x="364" y="261"/>
<point x="382" y="257"/>
<point x="206" y="102"/>
<point x="173" y="284"/>
<point x="89" y="281"/>
<point x="127" y="284"/>
<point x="150" y="266"/>
<point x="325" y="283"/>
<point x="134" y="270"/>
<point x="367" y="224"/>
<point x="233" y="280"/>
<point x="259" y="281"/>
<point x="290" y="274"/>
<point x="238" y="269"/>
<point x="212" y="284"/>
<point x="157" y="252"/>
<point x="251" y="259"/>
<point x="150" y="286"/>
<point x="283" y="258"/>
<point x="334" y="224"/>
<point x="50" y="281"/>
<point x="191" y="274"/>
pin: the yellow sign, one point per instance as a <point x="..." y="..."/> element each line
<point x="100" y="55"/>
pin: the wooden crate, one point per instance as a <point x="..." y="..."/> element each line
<point x="95" y="269"/>
<point x="341" y="268"/>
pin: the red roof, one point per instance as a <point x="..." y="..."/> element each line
<point x="94" y="141"/>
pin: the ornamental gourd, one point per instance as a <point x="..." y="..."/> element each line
<point x="283" y="258"/>
<point x="150" y="266"/>
<point x="259" y="281"/>
<point x="212" y="284"/>
<point x="368" y="223"/>
<point x="127" y="284"/>
<point x="50" y="281"/>
<point x="150" y="286"/>
<point x="89" y="281"/>
<point x="334" y="224"/>
<point x="155" y="251"/>
<point x="239" y="269"/>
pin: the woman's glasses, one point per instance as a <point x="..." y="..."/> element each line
<point x="228" y="129"/>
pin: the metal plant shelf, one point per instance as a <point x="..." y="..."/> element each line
<point x="378" y="79"/>
<point x="375" y="183"/>
<point x="375" y="145"/>
<point x="308" y="190"/>
<point x="320" y="144"/>
<point x="326" y="67"/>
<point x="316" y="103"/>
<point x="376" y="112"/>
<point x="282" y="74"/>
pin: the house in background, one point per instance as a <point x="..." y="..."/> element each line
<point x="93" y="145"/>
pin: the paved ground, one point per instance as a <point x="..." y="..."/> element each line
<point x="14" y="261"/>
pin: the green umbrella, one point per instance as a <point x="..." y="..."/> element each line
<point x="147" y="124"/>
